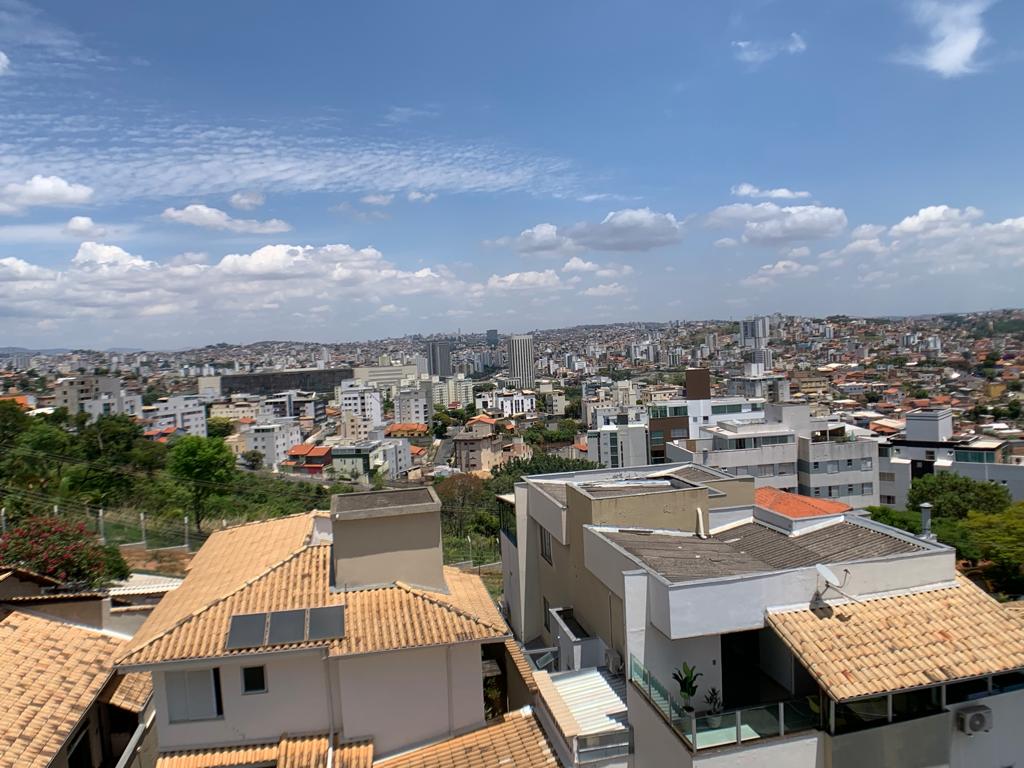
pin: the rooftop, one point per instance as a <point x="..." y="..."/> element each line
<point x="385" y="503"/>
<point x="905" y="641"/>
<point x="754" y="548"/>
<point x="288" y="752"/>
<point x="795" y="506"/>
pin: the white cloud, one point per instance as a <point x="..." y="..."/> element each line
<point x="936" y="220"/>
<point x="767" y="274"/>
<point x="768" y="223"/>
<point x="189" y="258"/>
<point x="84" y="226"/>
<point x="630" y="229"/>
<point x="956" y="32"/>
<point x="576" y="264"/>
<point x="726" y="242"/>
<point x="399" y="115"/>
<point x="378" y="199"/>
<point x="199" y="215"/>
<point x="755" y="53"/>
<point x="746" y="189"/>
<point x="416" y="196"/>
<point x="247" y="201"/>
<point x="518" y="281"/>
<point x="620" y="270"/>
<point x="867" y="231"/>
<point x="872" y="246"/>
<point x="606" y="289"/>
<point x="42" y="190"/>
<point x="5" y="64"/>
<point x="541" y="238"/>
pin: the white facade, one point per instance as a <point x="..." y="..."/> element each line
<point x="96" y="396"/>
<point x="508" y="401"/>
<point x="619" y="445"/>
<point x="185" y="412"/>
<point x="242" y="408"/>
<point x="365" y="402"/>
<point x="273" y="440"/>
<point x="414" y="406"/>
<point x="387" y="378"/>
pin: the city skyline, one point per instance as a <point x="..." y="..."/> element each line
<point x="731" y="160"/>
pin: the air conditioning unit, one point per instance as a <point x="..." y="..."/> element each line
<point x="613" y="660"/>
<point x="972" y="720"/>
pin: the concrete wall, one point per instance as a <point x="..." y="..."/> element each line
<point x="1002" y="746"/>
<point x="802" y="751"/>
<point x="381" y="550"/>
<point x="12" y="586"/>
<point x="409" y="697"/>
<point x="922" y="743"/>
<point x="662" y="657"/>
<point x="295" y="702"/>
<point x="674" y="510"/>
<point x="1009" y="475"/>
<point x="654" y="743"/>
<point x="546" y="511"/>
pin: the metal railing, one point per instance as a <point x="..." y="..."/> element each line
<point x="736" y="726"/>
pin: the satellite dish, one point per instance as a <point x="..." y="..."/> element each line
<point x="826" y="573"/>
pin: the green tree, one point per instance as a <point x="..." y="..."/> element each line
<point x="62" y="550"/>
<point x="505" y="477"/>
<point x="955" y="495"/>
<point x="13" y="421"/>
<point x="253" y="460"/>
<point x="219" y="426"/>
<point x="202" y="463"/>
<point x="1000" y="538"/>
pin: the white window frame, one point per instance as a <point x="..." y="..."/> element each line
<point x="266" y="684"/>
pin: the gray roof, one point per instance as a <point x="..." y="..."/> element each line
<point x="385" y="503"/>
<point x="755" y="548"/>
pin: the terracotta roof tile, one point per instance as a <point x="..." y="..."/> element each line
<point x="301" y="449"/>
<point x="515" y="741"/>
<point x="220" y="757"/>
<point x="905" y="641"/>
<point x="794" y="505"/>
<point x="289" y="752"/>
<point x="131" y="691"/>
<point x="51" y="673"/>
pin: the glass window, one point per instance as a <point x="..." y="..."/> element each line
<point x="677" y="410"/>
<point x="868" y="489"/>
<point x="858" y="715"/>
<point x="678" y="433"/>
<point x="545" y="544"/>
<point x="254" y="679"/>
<point x="911" y="704"/>
<point x="1011" y="681"/>
<point x="966" y="690"/>
<point x="547" y="614"/>
<point x="657" y="437"/>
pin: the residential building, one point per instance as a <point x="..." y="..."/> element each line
<point x="307" y="407"/>
<point x="620" y="440"/>
<point x="826" y="638"/>
<point x="96" y="396"/>
<point x="439" y="358"/>
<point x="680" y="419"/>
<point x="343" y="627"/>
<point x="414" y="405"/>
<point x="492" y="338"/>
<point x="928" y="445"/>
<point x="521" y="361"/>
<point x="760" y="382"/>
<point x="242" y="407"/>
<point x="387" y="378"/>
<point x="507" y="402"/>
<point x="455" y="389"/>
<point x="273" y="439"/>
<point x="184" y="412"/>
<point x="480" y="448"/>
<point x="321" y="381"/>
<point x="365" y="402"/>
<point x="307" y="459"/>
<point x="360" y="461"/>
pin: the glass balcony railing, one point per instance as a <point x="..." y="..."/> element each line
<point x="737" y="726"/>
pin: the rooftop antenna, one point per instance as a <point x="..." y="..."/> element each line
<point x="832" y="582"/>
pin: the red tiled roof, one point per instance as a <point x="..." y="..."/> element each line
<point x="319" y="451"/>
<point x="302" y="449"/>
<point x="793" y="505"/>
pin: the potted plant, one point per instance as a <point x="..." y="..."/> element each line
<point x="686" y="677"/>
<point x="713" y="698"/>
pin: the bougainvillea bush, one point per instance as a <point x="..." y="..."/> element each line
<point x="63" y="550"/>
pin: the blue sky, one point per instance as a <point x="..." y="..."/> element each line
<point x="176" y="174"/>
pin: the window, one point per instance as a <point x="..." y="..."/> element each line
<point x="929" y="455"/>
<point x="547" y="614"/>
<point x="887" y="477"/>
<point x="545" y="544"/>
<point x="833" y="467"/>
<point x="815" y="466"/>
<point x="849" y="490"/>
<point x="657" y="437"/>
<point x="889" y="500"/>
<point x="194" y="695"/>
<point x="254" y="679"/>
<point x="677" y="410"/>
<point x="868" y="489"/>
<point x="849" y="463"/>
<point x="678" y="433"/>
<point x="865" y="464"/>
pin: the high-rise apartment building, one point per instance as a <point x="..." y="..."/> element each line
<point x="492" y="338"/>
<point x="521" y="360"/>
<point x="439" y="358"/>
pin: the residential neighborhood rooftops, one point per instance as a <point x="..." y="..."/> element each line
<point x="309" y="751"/>
<point x="904" y="641"/>
<point x="51" y="673"/>
<point x="754" y="548"/>
<point x="795" y="506"/>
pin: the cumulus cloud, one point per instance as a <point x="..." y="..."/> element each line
<point x="956" y="32"/>
<point x="867" y="231"/>
<point x="213" y="218"/>
<point x="782" y="268"/>
<point x="768" y="223"/>
<point x="378" y="199"/>
<point x="42" y="191"/>
<point x="247" y="201"/>
<point x="539" y="239"/>
<point x="745" y="189"/>
<point x="936" y="221"/>
<point x="755" y="53"/>
<point x="605" y="289"/>
<point x="523" y="281"/>
<point x="576" y="264"/>
<point x="415" y="196"/>
<point x="630" y="229"/>
<point x="5" y="64"/>
<point x="85" y="227"/>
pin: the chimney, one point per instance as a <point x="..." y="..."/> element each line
<point x="926" y="521"/>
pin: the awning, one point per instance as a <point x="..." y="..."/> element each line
<point x="907" y="641"/>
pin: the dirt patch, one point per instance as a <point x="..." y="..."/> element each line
<point x="169" y="562"/>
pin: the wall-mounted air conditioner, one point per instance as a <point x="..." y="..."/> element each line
<point x="613" y="660"/>
<point x="976" y="719"/>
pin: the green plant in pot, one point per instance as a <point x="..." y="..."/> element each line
<point x="686" y="677"/>
<point x="713" y="698"/>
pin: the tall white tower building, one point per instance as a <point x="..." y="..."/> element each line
<point x="521" y="360"/>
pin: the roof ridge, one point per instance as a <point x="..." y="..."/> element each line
<point x="195" y="614"/>
<point x="424" y="595"/>
<point x="248" y="523"/>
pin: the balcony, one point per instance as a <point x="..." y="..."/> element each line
<point x="731" y="727"/>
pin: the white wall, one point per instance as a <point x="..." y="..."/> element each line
<point x="804" y="751"/>
<point x="663" y="656"/>
<point x="654" y="743"/>
<point x="1003" y="745"/>
<point x="254" y="716"/>
<point x="408" y="697"/>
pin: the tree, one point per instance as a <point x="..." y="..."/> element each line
<point x="62" y="550"/>
<point x="507" y="475"/>
<point x="13" y="421"/>
<point x="219" y="426"/>
<point x="253" y="460"/>
<point x="954" y="495"/>
<point x="202" y="463"/>
<point x="1000" y="538"/>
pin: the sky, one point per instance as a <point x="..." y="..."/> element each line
<point x="176" y="174"/>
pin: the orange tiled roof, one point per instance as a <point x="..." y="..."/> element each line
<point x="131" y="691"/>
<point x="301" y="449"/>
<point x="319" y="451"/>
<point x="795" y="506"/>
<point x="51" y="673"/>
<point x="514" y="741"/>
<point x="288" y="752"/>
<point x="193" y="620"/>
<point x="893" y="643"/>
